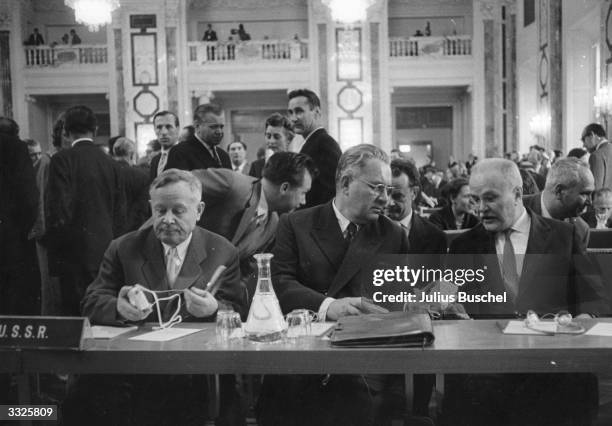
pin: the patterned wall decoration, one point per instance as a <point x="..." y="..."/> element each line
<point x="349" y="69"/>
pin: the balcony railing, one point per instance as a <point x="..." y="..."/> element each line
<point x="201" y="52"/>
<point x="430" y="47"/>
<point x="42" y="56"/>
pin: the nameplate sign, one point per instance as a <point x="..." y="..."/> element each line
<point x="44" y="332"/>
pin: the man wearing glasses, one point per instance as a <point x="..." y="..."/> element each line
<point x="201" y="150"/>
<point x="319" y="259"/>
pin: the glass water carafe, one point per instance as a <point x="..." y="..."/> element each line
<point x="265" y="322"/>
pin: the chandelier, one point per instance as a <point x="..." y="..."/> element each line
<point x="603" y="101"/>
<point x="349" y="11"/>
<point x="93" y="13"/>
<point x="540" y="124"/>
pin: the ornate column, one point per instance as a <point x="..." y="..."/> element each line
<point x="550" y="83"/>
<point x="145" y="61"/>
<point x="348" y="74"/>
<point x="493" y="94"/>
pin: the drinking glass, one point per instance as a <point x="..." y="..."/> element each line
<point x="229" y="327"/>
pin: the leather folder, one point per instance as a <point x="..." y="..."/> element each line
<point x="393" y="329"/>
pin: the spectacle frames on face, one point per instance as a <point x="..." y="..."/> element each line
<point x="379" y="188"/>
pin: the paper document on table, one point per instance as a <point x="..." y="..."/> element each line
<point x="600" y="329"/>
<point x="320" y="328"/>
<point x="107" y="332"/>
<point x="519" y="327"/>
<point x="165" y="334"/>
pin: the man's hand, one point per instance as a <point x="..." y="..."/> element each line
<point x="200" y="303"/>
<point x="126" y="309"/>
<point x="349" y="306"/>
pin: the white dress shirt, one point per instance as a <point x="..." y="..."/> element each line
<point x="181" y="251"/>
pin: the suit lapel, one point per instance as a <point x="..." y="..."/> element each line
<point x="326" y="234"/>
<point x="191" y="269"/>
<point x="359" y="253"/>
<point x="537" y="244"/>
<point x="153" y="267"/>
<point x="249" y="213"/>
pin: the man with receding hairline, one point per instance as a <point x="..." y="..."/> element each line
<point x="166" y="125"/>
<point x="538" y="264"/>
<point x="201" y="150"/>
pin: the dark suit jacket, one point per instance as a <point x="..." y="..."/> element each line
<point x="18" y="199"/>
<point x="138" y="258"/>
<point x="534" y="203"/>
<point x="257" y="167"/>
<point x="425" y="238"/>
<point x="86" y="205"/>
<point x="445" y="219"/>
<point x="325" y="152"/>
<point x="192" y="155"/>
<point x="311" y="261"/>
<point x="153" y="166"/>
<point x="136" y="189"/>
<point x="600" y="162"/>
<point x="556" y="273"/>
<point x="231" y="200"/>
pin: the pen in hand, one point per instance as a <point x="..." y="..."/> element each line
<point x="210" y="286"/>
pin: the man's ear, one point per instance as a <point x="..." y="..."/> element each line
<point x="345" y="181"/>
<point x="558" y="191"/>
<point x="95" y="132"/>
<point x="284" y="187"/>
<point x="200" y="209"/>
<point x="518" y="192"/>
<point x="317" y="111"/>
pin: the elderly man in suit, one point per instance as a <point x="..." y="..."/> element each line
<point x="201" y="150"/>
<point x="567" y="194"/>
<point x="537" y="264"/>
<point x="85" y="208"/>
<point x="318" y="256"/>
<point x="595" y="141"/>
<point x="305" y="114"/>
<point x="174" y="255"/>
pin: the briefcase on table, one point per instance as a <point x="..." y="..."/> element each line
<point x="390" y="330"/>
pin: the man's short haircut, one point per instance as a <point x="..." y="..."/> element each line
<point x="79" y="120"/>
<point x="288" y="167"/>
<point x="240" y="142"/>
<point x="601" y="193"/>
<point x="594" y="128"/>
<point x="202" y="110"/>
<point x="354" y="159"/>
<point x="9" y="127"/>
<point x="170" y="176"/>
<point x="165" y="112"/>
<point x="507" y="169"/>
<point x="311" y="97"/>
<point x="568" y="172"/>
<point x="407" y="167"/>
<point x="577" y="152"/>
<point x="279" y="120"/>
<point x="31" y="142"/>
<point x="123" y="147"/>
<point x="453" y="188"/>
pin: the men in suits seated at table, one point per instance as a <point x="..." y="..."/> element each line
<point x="600" y="215"/>
<point x="539" y="264"/>
<point x="459" y="210"/>
<point x="318" y="256"/>
<point x="174" y="256"/>
<point x="566" y="195"/>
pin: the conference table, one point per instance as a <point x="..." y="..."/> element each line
<point x="461" y="346"/>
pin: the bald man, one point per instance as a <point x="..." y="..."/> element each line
<point x="535" y="263"/>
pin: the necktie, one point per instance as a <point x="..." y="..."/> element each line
<point x="511" y="277"/>
<point x="351" y="231"/>
<point x="216" y="156"/>
<point x="162" y="162"/>
<point x="173" y="265"/>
